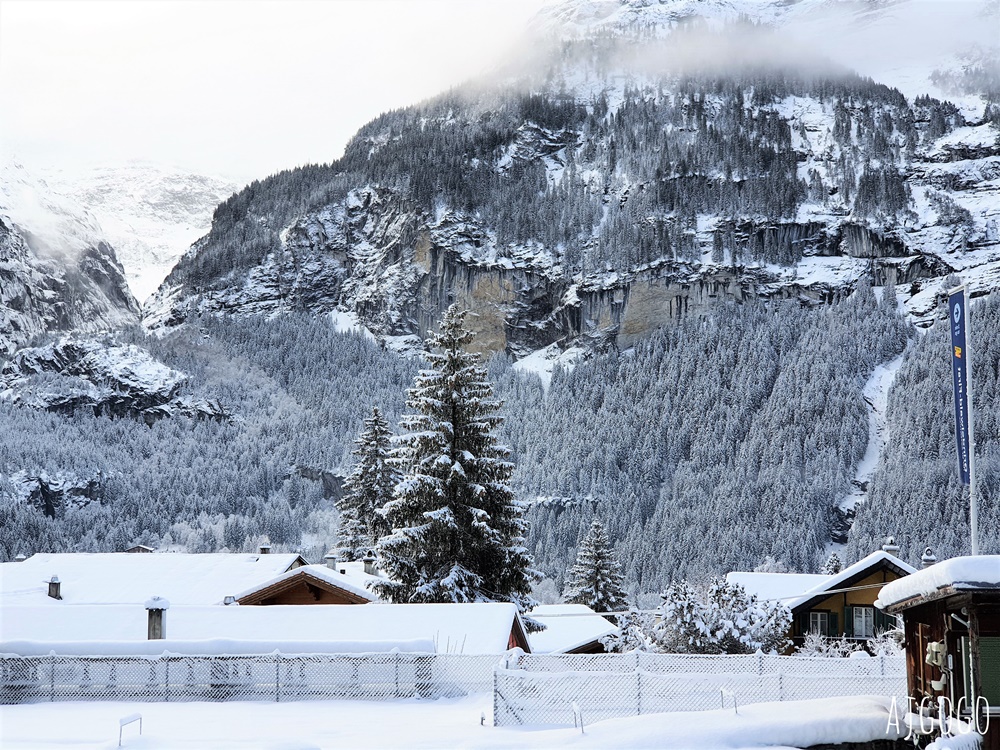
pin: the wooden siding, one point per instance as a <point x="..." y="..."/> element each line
<point x="302" y="589"/>
<point x="930" y="620"/>
<point x="839" y="607"/>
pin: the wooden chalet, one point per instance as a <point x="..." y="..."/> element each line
<point x="844" y="605"/>
<point x="841" y="605"/>
<point x="951" y="620"/>
<point x="312" y="584"/>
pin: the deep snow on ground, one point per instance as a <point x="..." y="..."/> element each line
<point x="323" y="725"/>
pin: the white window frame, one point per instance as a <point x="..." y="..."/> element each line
<point x="864" y="622"/>
<point x="819" y="622"/>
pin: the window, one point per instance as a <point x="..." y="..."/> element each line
<point x="864" y="622"/>
<point x="819" y="622"/>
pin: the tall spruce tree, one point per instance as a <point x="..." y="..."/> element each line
<point x="457" y="528"/>
<point x="366" y="490"/>
<point x="596" y="578"/>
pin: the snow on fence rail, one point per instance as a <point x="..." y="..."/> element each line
<point x="539" y="689"/>
<point x="270" y="677"/>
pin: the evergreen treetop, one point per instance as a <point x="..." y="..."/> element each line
<point x="457" y="528"/>
<point x="596" y="578"/>
<point x="366" y="490"/>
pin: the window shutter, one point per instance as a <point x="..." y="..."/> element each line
<point x="802" y="619"/>
<point x="849" y="622"/>
<point x="883" y="621"/>
<point x="834" y="630"/>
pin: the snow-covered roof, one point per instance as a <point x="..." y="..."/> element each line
<point x="568" y="626"/>
<point x="795" y="589"/>
<point x="777" y="586"/>
<point x="853" y="571"/>
<point x="956" y="574"/>
<point x="123" y="578"/>
<point x="452" y="628"/>
<point x="349" y="576"/>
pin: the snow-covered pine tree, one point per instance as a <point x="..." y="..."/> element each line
<point x="596" y="578"/>
<point x="366" y="490"/>
<point x="457" y="528"/>
<point x="833" y="565"/>
<point x="683" y="626"/>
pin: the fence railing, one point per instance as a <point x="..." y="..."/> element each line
<point x="528" y="689"/>
<point x="270" y="677"/>
<point x="539" y="689"/>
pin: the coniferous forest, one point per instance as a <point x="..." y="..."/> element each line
<point x="724" y="440"/>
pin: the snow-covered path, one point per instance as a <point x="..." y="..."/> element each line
<point x="876" y="395"/>
<point x="318" y="725"/>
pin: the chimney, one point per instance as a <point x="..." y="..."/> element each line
<point x="890" y="546"/>
<point x="20" y="558"/>
<point x="265" y="548"/>
<point x="229" y="600"/>
<point x="54" y="587"/>
<point x="331" y="560"/>
<point x="369" y="561"/>
<point x="156" y="608"/>
<point x="928" y="558"/>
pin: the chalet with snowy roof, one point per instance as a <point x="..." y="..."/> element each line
<point x="120" y="578"/>
<point x="951" y="622"/>
<point x="841" y="605"/>
<point x="333" y="583"/>
<point x="569" y="629"/>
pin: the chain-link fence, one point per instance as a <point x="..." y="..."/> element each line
<point x="539" y="689"/>
<point x="271" y="677"/>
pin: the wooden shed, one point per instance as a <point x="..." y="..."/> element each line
<point x="951" y="619"/>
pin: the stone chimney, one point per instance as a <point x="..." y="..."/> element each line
<point x="928" y="558"/>
<point x="265" y="548"/>
<point x="55" y="587"/>
<point x="890" y="546"/>
<point x="20" y="558"/>
<point x="369" y="561"/>
<point x="157" y="608"/>
<point x="331" y="560"/>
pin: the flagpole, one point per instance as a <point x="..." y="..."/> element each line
<point x="961" y="367"/>
<point x="973" y="493"/>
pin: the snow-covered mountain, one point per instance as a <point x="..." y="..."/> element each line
<point x="57" y="270"/>
<point x="149" y="213"/>
<point x="647" y="167"/>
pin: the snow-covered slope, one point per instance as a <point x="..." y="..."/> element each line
<point x="57" y="270"/>
<point x="595" y="197"/>
<point x="150" y="213"/>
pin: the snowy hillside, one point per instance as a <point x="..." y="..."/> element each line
<point x="149" y="213"/>
<point x="629" y="178"/>
<point x="58" y="271"/>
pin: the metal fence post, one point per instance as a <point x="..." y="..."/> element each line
<point x="166" y="679"/>
<point x="638" y="692"/>
<point x="277" y="678"/>
<point x="52" y="678"/>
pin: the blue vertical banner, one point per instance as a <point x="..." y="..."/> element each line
<point x="958" y="317"/>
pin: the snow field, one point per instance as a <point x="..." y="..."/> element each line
<point x="464" y="722"/>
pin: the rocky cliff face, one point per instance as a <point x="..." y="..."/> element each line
<point x="593" y="200"/>
<point x="56" y="271"/>
<point x="108" y="379"/>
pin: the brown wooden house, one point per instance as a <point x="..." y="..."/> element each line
<point x="951" y="619"/>
<point x="841" y="605"/>
<point x="345" y="583"/>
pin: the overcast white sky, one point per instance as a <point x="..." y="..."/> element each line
<point x="238" y="89"/>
